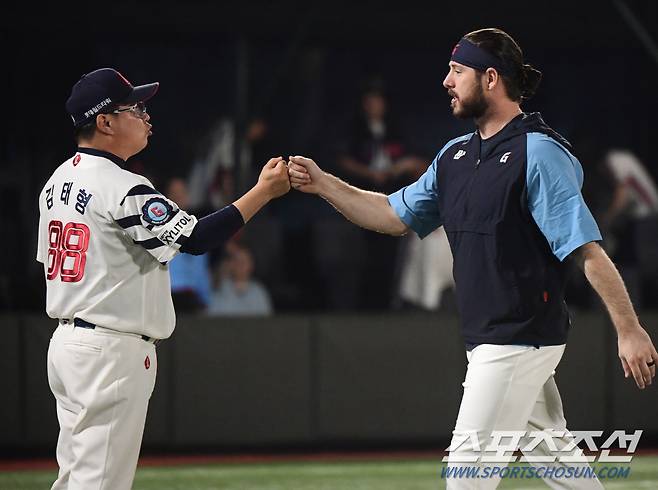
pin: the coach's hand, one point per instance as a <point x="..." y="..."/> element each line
<point x="638" y="356"/>
<point x="305" y="175"/>
<point x="274" y="178"/>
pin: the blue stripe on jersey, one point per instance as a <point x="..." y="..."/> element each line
<point x="140" y="190"/>
<point x="150" y="244"/>
<point x="128" y="221"/>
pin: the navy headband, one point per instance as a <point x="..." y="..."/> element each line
<point x="468" y="54"/>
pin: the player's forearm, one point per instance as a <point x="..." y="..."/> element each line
<point x="606" y="281"/>
<point x="370" y="210"/>
<point x="253" y="201"/>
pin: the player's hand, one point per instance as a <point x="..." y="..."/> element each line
<point x="274" y="178"/>
<point x="638" y="356"/>
<point x="305" y="175"/>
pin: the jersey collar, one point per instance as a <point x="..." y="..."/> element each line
<point x="104" y="154"/>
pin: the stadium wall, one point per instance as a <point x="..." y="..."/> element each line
<point x="315" y="382"/>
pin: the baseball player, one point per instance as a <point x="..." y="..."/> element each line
<point x="105" y="238"/>
<point x="509" y="198"/>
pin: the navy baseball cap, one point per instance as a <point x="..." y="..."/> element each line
<point x="101" y="91"/>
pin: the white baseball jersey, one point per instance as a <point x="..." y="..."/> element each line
<point x="105" y="237"/>
<point x="629" y="171"/>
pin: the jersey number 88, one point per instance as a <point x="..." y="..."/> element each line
<point x="67" y="242"/>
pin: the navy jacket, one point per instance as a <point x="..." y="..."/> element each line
<point x="509" y="274"/>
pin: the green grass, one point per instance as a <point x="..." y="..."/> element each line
<point x="372" y="475"/>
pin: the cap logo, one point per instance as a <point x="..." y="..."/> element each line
<point x="454" y="50"/>
<point x="98" y="107"/>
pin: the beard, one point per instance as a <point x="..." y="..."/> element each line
<point x="473" y="106"/>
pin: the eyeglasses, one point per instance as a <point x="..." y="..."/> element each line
<point x="138" y="109"/>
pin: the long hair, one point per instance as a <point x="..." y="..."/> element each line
<point x="522" y="82"/>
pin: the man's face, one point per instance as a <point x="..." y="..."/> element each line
<point x="464" y="85"/>
<point x="132" y="127"/>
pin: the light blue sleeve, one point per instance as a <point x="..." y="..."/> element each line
<point x="554" y="179"/>
<point x="417" y="204"/>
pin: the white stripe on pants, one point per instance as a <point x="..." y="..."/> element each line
<point x="510" y="387"/>
<point x="102" y="387"/>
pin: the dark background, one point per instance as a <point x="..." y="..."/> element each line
<point x="302" y="66"/>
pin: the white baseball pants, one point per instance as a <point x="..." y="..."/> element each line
<point x="102" y="382"/>
<point x="510" y="387"/>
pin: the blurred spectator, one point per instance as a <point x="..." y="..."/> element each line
<point x="212" y="180"/>
<point x="238" y="293"/>
<point x="632" y="219"/>
<point x="375" y="159"/>
<point x="375" y="154"/>
<point x="635" y="195"/>
<point x="190" y="274"/>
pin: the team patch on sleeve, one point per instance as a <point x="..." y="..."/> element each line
<point x="157" y="211"/>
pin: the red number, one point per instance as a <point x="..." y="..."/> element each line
<point x="70" y="243"/>
<point x="54" y="240"/>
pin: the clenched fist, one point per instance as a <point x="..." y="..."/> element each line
<point x="305" y="175"/>
<point x="274" y="178"/>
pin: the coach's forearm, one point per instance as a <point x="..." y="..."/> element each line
<point x="253" y="201"/>
<point x="606" y="281"/>
<point x="370" y="210"/>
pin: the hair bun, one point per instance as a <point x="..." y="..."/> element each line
<point x="530" y="78"/>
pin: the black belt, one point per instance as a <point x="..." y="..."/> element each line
<point x="80" y="323"/>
